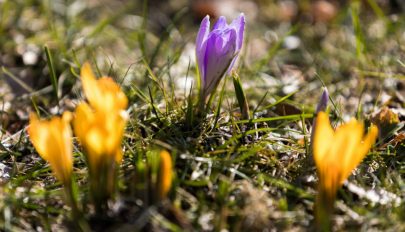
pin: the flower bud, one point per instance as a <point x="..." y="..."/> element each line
<point x="217" y="50"/>
<point x="53" y="141"/>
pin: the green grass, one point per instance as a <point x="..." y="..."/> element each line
<point x="231" y="172"/>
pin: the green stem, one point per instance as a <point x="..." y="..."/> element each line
<point x="77" y="216"/>
<point x="103" y="184"/>
<point x="324" y="206"/>
<point x="201" y="104"/>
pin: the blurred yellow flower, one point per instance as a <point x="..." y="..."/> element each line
<point x="336" y="154"/>
<point x="99" y="126"/>
<point x="166" y="173"/>
<point x="53" y="141"/>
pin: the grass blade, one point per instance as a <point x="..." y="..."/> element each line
<point x="52" y="73"/>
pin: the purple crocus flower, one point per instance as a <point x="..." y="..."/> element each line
<point x="217" y="50"/>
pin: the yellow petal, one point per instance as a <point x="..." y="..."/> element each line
<point x="330" y="179"/>
<point x="114" y="97"/>
<point x="83" y="121"/>
<point x="166" y="174"/>
<point x="117" y="133"/>
<point x="362" y="149"/>
<point x="323" y="138"/>
<point x="95" y="146"/>
<point x="103" y="94"/>
<point x="62" y="162"/>
<point x="39" y="134"/>
<point x="53" y="141"/>
<point x="89" y="83"/>
<point x="118" y="156"/>
<point x="352" y="132"/>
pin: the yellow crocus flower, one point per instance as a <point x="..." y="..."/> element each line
<point x="99" y="126"/>
<point x="165" y="173"/>
<point x="53" y="141"/>
<point x="336" y="154"/>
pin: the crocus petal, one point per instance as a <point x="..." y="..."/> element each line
<point x="113" y="98"/>
<point x="116" y="132"/>
<point x="239" y="25"/>
<point x="203" y="31"/>
<point x="95" y="139"/>
<point x="89" y="83"/>
<point x="100" y="133"/>
<point x="220" y="24"/>
<point x="53" y="141"/>
<point x="362" y="149"/>
<point x="83" y="121"/>
<point x="38" y="136"/>
<point x="323" y="138"/>
<point x="329" y="179"/>
<point x="166" y="173"/>
<point x="62" y="134"/>
<point x="323" y="101"/>
<point x="103" y="94"/>
<point x="322" y="105"/>
<point x="201" y="44"/>
<point x="218" y="57"/>
<point x="369" y="139"/>
<point x="352" y="132"/>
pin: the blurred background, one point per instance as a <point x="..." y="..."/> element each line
<point x="289" y="46"/>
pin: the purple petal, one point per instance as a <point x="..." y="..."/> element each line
<point x="322" y="105"/>
<point x="219" y="56"/>
<point x="220" y="24"/>
<point x="239" y="25"/>
<point x="203" y="31"/>
<point x="232" y="63"/>
<point x="201" y="43"/>
<point x="323" y="101"/>
<point x="235" y="57"/>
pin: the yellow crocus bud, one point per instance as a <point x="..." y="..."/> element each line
<point x="336" y="154"/>
<point x="99" y="125"/>
<point x="165" y="173"/>
<point x="53" y="141"/>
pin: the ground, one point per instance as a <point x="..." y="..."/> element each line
<point x="230" y="173"/>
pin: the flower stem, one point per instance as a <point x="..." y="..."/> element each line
<point x="201" y="104"/>
<point x="77" y="216"/>
<point x="324" y="206"/>
<point x="103" y="184"/>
